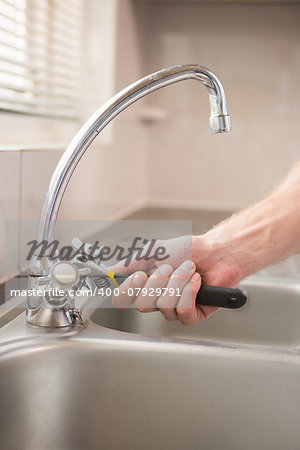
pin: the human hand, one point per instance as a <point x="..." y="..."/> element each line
<point x="171" y="286"/>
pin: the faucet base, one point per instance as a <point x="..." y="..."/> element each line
<point x="53" y="318"/>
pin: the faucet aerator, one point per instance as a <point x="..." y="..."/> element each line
<point x="220" y="124"/>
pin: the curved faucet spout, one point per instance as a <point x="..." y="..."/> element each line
<point x="59" y="310"/>
<point x="219" y="123"/>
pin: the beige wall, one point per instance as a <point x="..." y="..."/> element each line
<point x="161" y="151"/>
<point x="255" y="50"/>
<point x="110" y="178"/>
<point x="109" y="181"/>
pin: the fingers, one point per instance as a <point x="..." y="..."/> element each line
<point x="149" y="287"/>
<point x="207" y="311"/>
<point x="158" y="280"/>
<point x="134" y="282"/>
<point x="179" y="279"/>
<point x="172" y="292"/>
<point x="187" y="311"/>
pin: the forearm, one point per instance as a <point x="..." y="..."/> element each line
<point x="262" y="234"/>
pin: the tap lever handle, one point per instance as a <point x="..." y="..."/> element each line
<point x="210" y="295"/>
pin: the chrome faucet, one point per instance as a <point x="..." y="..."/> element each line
<point x="59" y="311"/>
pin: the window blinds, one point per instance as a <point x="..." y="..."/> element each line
<point x="40" y="56"/>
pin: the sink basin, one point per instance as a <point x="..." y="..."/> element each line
<point x="271" y="317"/>
<point x="111" y="387"/>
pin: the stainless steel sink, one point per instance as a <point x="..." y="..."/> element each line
<point x="271" y="317"/>
<point x="235" y="388"/>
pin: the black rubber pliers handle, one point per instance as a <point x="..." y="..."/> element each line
<point x="210" y="295"/>
<point x="221" y="297"/>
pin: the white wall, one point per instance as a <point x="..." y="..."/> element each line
<point x="255" y="50"/>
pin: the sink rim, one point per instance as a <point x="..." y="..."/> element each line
<point x="17" y="331"/>
<point x="23" y="337"/>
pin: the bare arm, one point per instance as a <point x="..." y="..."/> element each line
<point x="263" y="234"/>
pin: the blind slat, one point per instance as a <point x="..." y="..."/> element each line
<point x="59" y="114"/>
<point x="40" y="51"/>
<point x="51" y="70"/>
<point x="51" y="12"/>
<point x="18" y="21"/>
<point x="35" y="90"/>
<point x="75" y="12"/>
<point x="35" y="23"/>
<point x="34" y="102"/>
<point x="53" y="56"/>
<point x="34" y="9"/>
<point x="11" y="32"/>
<point x="58" y="37"/>
<point x="12" y="5"/>
<point x="47" y="81"/>
<point x="38" y="39"/>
